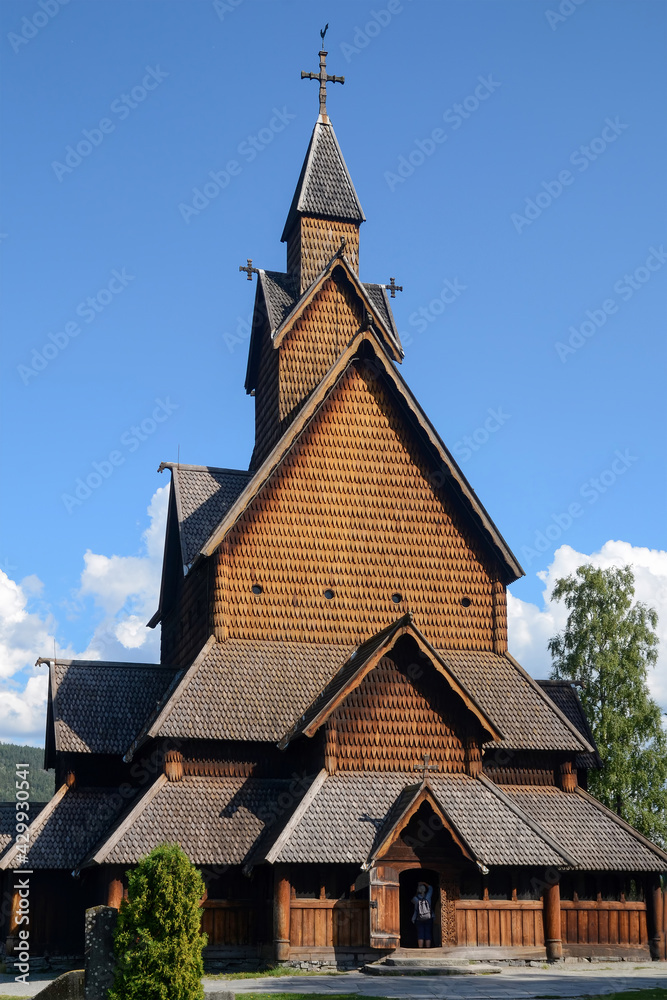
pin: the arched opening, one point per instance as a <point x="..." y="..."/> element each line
<point x="409" y="880"/>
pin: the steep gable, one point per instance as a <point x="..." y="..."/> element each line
<point x="357" y="508"/>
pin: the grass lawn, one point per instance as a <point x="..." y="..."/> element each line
<point x="278" y="970"/>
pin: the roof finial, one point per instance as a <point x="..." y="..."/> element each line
<point x="322" y="76"/>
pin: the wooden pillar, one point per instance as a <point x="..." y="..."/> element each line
<point x="281" y="913"/>
<point x="656" y="920"/>
<point x="12" y="939"/>
<point x="114" y="890"/>
<point x="552" y="932"/>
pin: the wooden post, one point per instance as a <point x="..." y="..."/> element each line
<point x="656" y="920"/>
<point x="281" y="914"/>
<point x="552" y="932"/>
<point x="114" y="890"/>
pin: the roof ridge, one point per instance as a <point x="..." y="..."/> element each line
<point x="112" y="663"/>
<point x="182" y="467"/>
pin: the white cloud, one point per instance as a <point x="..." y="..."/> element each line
<point x="530" y="627"/>
<point x="124" y="588"/>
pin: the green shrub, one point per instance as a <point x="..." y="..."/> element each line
<point x="157" y="941"/>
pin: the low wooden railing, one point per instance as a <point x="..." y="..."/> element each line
<point x="501" y="923"/>
<point x="603" y="922"/>
<point x="229" y="922"/>
<point x="328" y="923"/>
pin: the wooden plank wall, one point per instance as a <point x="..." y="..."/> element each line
<point x="230" y="922"/>
<point x="499" y="923"/>
<point x="603" y="922"/>
<point x="328" y="923"/>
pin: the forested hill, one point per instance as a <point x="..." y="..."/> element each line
<point x="42" y="783"/>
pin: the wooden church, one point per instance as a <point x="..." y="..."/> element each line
<point x="336" y="716"/>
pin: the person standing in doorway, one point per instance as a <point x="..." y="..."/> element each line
<point x="422" y="916"/>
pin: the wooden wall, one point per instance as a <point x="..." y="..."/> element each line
<point x="602" y="922"/>
<point x="500" y="923"/>
<point x="328" y="923"/>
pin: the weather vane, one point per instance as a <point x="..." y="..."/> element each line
<point x="322" y="75"/>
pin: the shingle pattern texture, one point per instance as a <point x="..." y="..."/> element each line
<point x="586" y="831"/>
<point x="378" y="296"/>
<point x="100" y="707"/>
<point x="348" y="817"/>
<point x="523" y="714"/>
<point x="248" y="690"/>
<point x="204" y="496"/>
<point x="78" y="822"/>
<point x="324" y="187"/>
<point x="216" y="820"/>
<point x="8" y="821"/>
<point x="566" y="698"/>
<point x="280" y="293"/>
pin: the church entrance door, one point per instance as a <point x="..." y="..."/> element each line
<point x="409" y="880"/>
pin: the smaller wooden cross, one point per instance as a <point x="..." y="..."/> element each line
<point x="426" y="767"/>
<point x="393" y="287"/>
<point x="322" y="76"/>
<point x="250" y="269"/>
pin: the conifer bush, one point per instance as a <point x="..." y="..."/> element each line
<point x="157" y="941"/>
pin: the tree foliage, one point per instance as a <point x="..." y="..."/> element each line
<point x="157" y="942"/>
<point x="609" y="643"/>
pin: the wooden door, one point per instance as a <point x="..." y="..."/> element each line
<point x="384" y="908"/>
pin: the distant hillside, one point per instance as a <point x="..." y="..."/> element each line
<point x="42" y="783"/>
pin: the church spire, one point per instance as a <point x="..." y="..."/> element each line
<point x="325" y="207"/>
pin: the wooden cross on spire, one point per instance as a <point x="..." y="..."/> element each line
<point x="322" y="76"/>
<point x="249" y="269"/>
<point x="393" y="287"/>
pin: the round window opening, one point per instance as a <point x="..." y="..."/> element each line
<point x="328" y="594"/>
<point x="256" y="589"/>
<point x="466" y="602"/>
<point x="397" y="598"/>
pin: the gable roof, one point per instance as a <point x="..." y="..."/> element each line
<point x="564" y="694"/>
<point x="243" y="689"/>
<point x="596" y="837"/>
<point x="408" y="803"/>
<point x="69" y="826"/>
<point x="529" y="720"/>
<point x="324" y="187"/>
<point x="97" y="706"/>
<point x="362" y="661"/>
<point x="277" y="301"/>
<point x="203" y="496"/>
<point x="446" y="466"/>
<point x="216" y="820"/>
<point x="347" y="819"/>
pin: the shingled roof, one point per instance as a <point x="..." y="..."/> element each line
<point x="99" y="706"/>
<point x="216" y="820"/>
<point x="564" y="694"/>
<point x="347" y="818"/>
<point x="8" y="821"/>
<point x="69" y="826"/>
<point x="324" y="187"/>
<point x="203" y="496"/>
<point x="597" y="838"/>
<point x="528" y="719"/>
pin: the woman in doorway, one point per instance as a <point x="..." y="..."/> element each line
<point x="422" y="916"/>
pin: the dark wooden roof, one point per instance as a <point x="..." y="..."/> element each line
<point x="324" y="187"/>
<point x="564" y="694"/>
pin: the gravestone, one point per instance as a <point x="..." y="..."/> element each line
<point x="98" y="955"/>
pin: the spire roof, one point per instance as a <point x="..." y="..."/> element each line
<point x="325" y="187"/>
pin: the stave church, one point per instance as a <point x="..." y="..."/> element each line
<point x="336" y="717"/>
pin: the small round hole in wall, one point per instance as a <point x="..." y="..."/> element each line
<point x="397" y="598"/>
<point x="328" y="594"/>
<point x="466" y="602"/>
<point x="256" y="589"/>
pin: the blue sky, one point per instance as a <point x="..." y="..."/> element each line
<point x="528" y="232"/>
